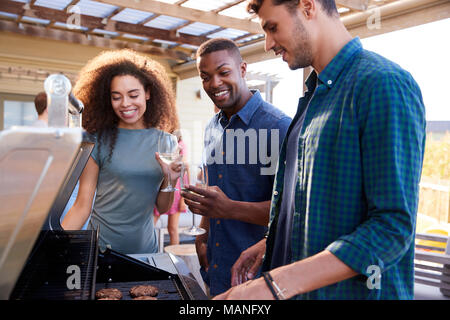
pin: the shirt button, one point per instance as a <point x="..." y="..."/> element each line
<point x="215" y="266"/>
<point x="275" y="193"/>
<point x="218" y="222"/>
<point x="220" y="176"/>
<point x="330" y="82"/>
<point x="217" y="244"/>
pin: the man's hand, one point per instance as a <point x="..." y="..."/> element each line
<point x="246" y="267"/>
<point x="210" y="202"/>
<point x="250" y="290"/>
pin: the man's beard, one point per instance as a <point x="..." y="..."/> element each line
<point x="302" y="52"/>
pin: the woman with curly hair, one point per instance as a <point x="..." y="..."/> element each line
<point x="129" y="102"/>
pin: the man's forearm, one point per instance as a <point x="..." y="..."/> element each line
<point x="312" y="273"/>
<point x="251" y="212"/>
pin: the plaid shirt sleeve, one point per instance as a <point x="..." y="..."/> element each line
<point x="392" y="125"/>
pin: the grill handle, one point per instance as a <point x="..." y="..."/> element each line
<point x="57" y="88"/>
<point x="60" y="112"/>
<point x="76" y="107"/>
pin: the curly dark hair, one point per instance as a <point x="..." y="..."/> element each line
<point x="93" y="88"/>
<point x="329" y="6"/>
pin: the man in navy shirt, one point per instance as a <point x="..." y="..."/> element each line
<point x="242" y="143"/>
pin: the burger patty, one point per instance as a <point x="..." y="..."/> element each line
<point x="143" y="290"/>
<point x="145" y="298"/>
<point x="108" y="293"/>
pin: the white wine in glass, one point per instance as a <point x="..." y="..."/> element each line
<point x="168" y="158"/>
<point x="168" y="152"/>
<point x="198" y="176"/>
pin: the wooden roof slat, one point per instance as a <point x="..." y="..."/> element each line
<point x="157" y="15"/>
<point x="215" y="11"/>
<point x="160" y="34"/>
<point x="185" y="13"/>
<point x="79" y="38"/>
<point x="149" y="19"/>
<point x="212" y="31"/>
<point x="91" y="23"/>
<point x="232" y="4"/>
<point x="117" y="11"/>
<point x="71" y="3"/>
<point x="26" y="6"/>
<point x="358" y="5"/>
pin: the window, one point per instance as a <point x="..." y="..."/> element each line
<point x="16" y="110"/>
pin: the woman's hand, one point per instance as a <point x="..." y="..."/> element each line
<point x="173" y="170"/>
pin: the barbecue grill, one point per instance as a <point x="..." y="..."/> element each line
<point x="40" y="255"/>
<point x="39" y="168"/>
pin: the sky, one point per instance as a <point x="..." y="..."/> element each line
<point x="423" y="50"/>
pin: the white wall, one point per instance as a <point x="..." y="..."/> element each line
<point x="194" y="113"/>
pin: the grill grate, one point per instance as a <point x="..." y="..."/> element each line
<point x="45" y="274"/>
<point x="167" y="288"/>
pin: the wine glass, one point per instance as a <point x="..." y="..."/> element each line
<point x="168" y="152"/>
<point x="198" y="176"/>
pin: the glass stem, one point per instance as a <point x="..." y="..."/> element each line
<point x="169" y="185"/>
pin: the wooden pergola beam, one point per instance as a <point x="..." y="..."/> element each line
<point x="35" y="74"/>
<point x="232" y="4"/>
<point x="92" y="40"/>
<point x="358" y="5"/>
<point x="397" y="9"/>
<point x="397" y="16"/>
<point x="91" y="22"/>
<point x="188" y="13"/>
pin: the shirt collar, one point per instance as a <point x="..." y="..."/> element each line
<point x="332" y="71"/>
<point x="311" y="81"/>
<point x="248" y="110"/>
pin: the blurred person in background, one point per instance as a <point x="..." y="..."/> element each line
<point x="40" y="103"/>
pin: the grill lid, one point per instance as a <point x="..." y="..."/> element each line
<point x="61" y="266"/>
<point x="34" y="162"/>
<point x="53" y="221"/>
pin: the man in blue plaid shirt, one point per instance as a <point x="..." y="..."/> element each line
<point x="344" y="203"/>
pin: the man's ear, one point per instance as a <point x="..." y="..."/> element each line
<point x="308" y="8"/>
<point x="243" y="67"/>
